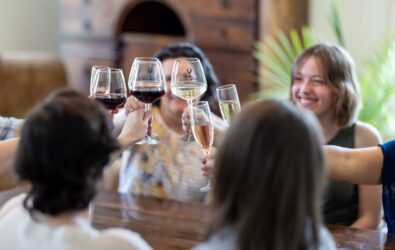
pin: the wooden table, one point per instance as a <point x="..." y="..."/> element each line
<point x="166" y="224"/>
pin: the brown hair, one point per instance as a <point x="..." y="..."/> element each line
<point x="339" y="72"/>
<point x="268" y="177"/>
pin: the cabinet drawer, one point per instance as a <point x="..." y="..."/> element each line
<point x="78" y="71"/>
<point x="88" y="18"/>
<point x="223" y="34"/>
<point x="231" y="60"/>
<point x="90" y="48"/>
<point x="230" y="9"/>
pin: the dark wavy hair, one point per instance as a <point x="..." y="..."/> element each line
<point x="268" y="177"/>
<point x="65" y="143"/>
<point x="184" y="49"/>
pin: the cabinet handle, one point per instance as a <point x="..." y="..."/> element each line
<point x="224" y="3"/>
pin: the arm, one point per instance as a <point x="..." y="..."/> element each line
<point x="369" y="196"/>
<point x="360" y="166"/>
<point x="7" y="153"/>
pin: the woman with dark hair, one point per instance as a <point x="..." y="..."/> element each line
<point x="65" y="144"/>
<point x="170" y="169"/>
<point x="324" y="82"/>
<point x="267" y="187"/>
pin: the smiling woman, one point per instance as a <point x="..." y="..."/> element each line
<point x="324" y="82"/>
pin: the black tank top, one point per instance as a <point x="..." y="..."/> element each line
<point x="341" y="198"/>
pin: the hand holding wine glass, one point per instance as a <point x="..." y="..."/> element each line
<point x="147" y="83"/>
<point x="109" y="88"/>
<point x="203" y="130"/>
<point x="228" y="100"/>
<point x="188" y="81"/>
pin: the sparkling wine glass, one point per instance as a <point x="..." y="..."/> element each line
<point x="147" y="83"/>
<point x="203" y="130"/>
<point x="93" y="74"/>
<point x="188" y="82"/>
<point x="109" y="88"/>
<point x="228" y="100"/>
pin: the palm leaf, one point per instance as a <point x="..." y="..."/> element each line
<point x="276" y="55"/>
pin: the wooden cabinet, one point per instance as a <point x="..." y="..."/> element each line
<point x="115" y="32"/>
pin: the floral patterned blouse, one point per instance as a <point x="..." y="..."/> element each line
<point x="170" y="169"/>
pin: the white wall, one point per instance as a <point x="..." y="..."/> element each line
<point x="365" y="24"/>
<point x="29" y="25"/>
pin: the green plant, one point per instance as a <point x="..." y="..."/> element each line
<point x="276" y="55"/>
<point x="378" y="90"/>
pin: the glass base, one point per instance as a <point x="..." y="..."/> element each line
<point x="148" y="140"/>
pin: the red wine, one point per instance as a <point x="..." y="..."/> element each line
<point x="148" y="96"/>
<point x="111" y="101"/>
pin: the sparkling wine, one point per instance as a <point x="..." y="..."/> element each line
<point x="111" y="101"/>
<point x="229" y="109"/>
<point x="188" y="91"/>
<point x="147" y="95"/>
<point x="204" y="134"/>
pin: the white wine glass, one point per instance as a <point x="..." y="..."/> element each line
<point x="203" y="131"/>
<point x="93" y="74"/>
<point x="109" y="88"/>
<point x="188" y="82"/>
<point x="147" y="83"/>
<point x="228" y="101"/>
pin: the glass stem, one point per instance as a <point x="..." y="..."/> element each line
<point x="189" y="134"/>
<point x="147" y="107"/>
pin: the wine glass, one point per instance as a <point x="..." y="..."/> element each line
<point x="228" y="100"/>
<point x="109" y="88"/>
<point x="93" y="74"/>
<point x="147" y="83"/>
<point x="188" y="82"/>
<point x="203" y="130"/>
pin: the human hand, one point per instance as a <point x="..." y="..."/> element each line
<point x="208" y="164"/>
<point x="135" y="127"/>
<point x="132" y="104"/>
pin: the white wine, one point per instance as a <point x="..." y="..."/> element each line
<point x="188" y="91"/>
<point x="229" y="109"/>
<point x="204" y="134"/>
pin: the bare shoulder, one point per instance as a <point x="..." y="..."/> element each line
<point x="366" y="135"/>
